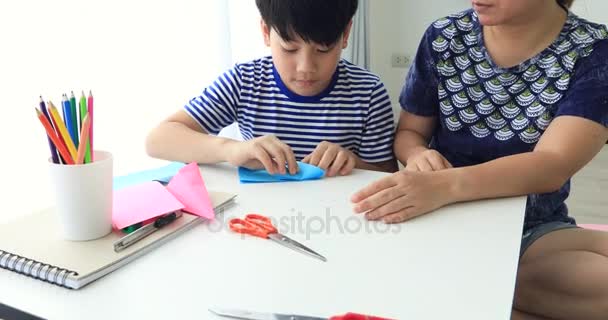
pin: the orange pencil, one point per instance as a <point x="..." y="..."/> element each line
<point x="84" y="138"/>
<point x="63" y="131"/>
<point x="54" y="138"/>
<point x="54" y="123"/>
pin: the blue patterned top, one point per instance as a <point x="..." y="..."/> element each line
<point x="487" y="112"/>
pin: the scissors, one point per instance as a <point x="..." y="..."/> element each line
<point x="250" y="315"/>
<point x="261" y="226"/>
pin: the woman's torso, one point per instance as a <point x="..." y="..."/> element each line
<point x="488" y="112"/>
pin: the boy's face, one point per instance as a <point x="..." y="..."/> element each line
<point x="306" y="68"/>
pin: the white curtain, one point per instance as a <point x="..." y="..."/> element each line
<point x="245" y="42"/>
<point x="357" y="51"/>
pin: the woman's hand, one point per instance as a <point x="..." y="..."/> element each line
<point x="332" y="158"/>
<point x="402" y="196"/>
<point x="427" y="160"/>
<point x="266" y="152"/>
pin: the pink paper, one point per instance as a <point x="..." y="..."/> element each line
<point x="141" y="202"/>
<point x="600" y="227"/>
<point x="188" y="187"/>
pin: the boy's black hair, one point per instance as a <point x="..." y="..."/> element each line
<point x="318" y="21"/>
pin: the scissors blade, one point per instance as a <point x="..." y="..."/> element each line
<point x="249" y="315"/>
<point x="292" y="244"/>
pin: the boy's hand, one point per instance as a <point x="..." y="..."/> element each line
<point x="267" y="151"/>
<point x="427" y="160"/>
<point x="332" y="158"/>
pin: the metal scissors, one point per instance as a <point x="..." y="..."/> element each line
<point x="261" y="226"/>
<point x="249" y="315"/>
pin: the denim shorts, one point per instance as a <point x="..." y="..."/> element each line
<point x="540" y="230"/>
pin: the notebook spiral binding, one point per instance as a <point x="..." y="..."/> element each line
<point x="35" y="269"/>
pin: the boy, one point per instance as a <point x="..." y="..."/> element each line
<point x="302" y="103"/>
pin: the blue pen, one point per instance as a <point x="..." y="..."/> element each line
<point x="67" y="116"/>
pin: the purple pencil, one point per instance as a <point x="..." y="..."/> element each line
<point x="51" y="145"/>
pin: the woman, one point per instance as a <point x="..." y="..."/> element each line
<point x="514" y="91"/>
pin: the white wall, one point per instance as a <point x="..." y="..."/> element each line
<point x="246" y="40"/>
<point x="398" y="25"/>
<point x="592" y="10"/>
<point x="142" y="59"/>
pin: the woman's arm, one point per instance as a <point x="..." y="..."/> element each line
<point x="566" y="146"/>
<point x="413" y="135"/>
<point x="576" y="134"/>
<point x="412" y="140"/>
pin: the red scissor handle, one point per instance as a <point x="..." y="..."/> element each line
<point x="253" y="224"/>
<point x="356" y="316"/>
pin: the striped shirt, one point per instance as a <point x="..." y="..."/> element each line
<point x="354" y="111"/>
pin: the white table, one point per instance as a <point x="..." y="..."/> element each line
<point x="457" y="263"/>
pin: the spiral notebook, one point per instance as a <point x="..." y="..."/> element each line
<point x="32" y="246"/>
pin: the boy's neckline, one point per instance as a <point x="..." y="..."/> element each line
<point x="299" y="98"/>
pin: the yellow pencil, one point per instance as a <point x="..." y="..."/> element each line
<point x="63" y="131"/>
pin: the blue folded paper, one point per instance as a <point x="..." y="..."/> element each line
<point x="305" y="172"/>
<point x="162" y="174"/>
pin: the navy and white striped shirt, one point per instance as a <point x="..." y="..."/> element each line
<point x="354" y="111"/>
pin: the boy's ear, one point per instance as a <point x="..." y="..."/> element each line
<point x="346" y="34"/>
<point x="265" y="32"/>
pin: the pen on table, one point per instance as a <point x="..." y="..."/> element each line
<point x="146" y="230"/>
<point x="90" y="113"/>
<point x="51" y="145"/>
<point x="83" y="113"/>
<point x="54" y="138"/>
<point x="74" y="113"/>
<point x="62" y="131"/>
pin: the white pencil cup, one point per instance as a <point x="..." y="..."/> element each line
<point x="83" y="196"/>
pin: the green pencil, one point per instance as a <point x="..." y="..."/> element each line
<point x="83" y="113"/>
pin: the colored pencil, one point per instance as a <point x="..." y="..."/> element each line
<point x="84" y="137"/>
<point x="51" y="145"/>
<point x="67" y="117"/>
<point x="83" y="113"/>
<point x="56" y="127"/>
<point x="74" y="129"/>
<point x="63" y="131"/>
<point x="54" y="138"/>
<point x="90" y="113"/>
